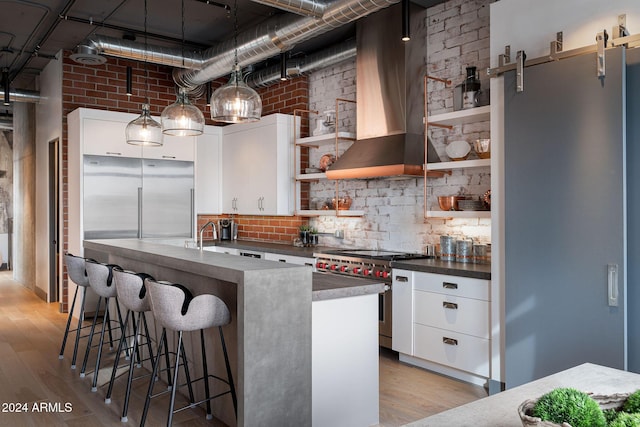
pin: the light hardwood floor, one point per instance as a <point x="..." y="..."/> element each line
<point x="30" y="372"/>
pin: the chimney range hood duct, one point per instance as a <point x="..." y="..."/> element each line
<point x="390" y="109"/>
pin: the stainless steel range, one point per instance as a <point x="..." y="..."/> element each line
<point x="371" y="264"/>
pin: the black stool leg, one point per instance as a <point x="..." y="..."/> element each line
<point x="175" y="380"/>
<point x="163" y="341"/>
<point x="123" y="338"/>
<point x="79" y="330"/>
<point x="229" y="374"/>
<point x="94" y="385"/>
<point x="66" y="331"/>
<point x="122" y="329"/>
<point x="205" y="374"/>
<point x="93" y="327"/>
<point x="146" y="329"/>
<point x="168" y="363"/>
<point x="185" y="365"/>
<point x="125" y="407"/>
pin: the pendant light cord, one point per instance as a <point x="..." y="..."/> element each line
<point x="235" y="31"/>
<point x="146" y="52"/>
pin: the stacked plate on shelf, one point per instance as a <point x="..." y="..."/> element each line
<point x="471" y="205"/>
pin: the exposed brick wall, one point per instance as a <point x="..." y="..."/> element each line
<point x="456" y="34"/>
<point x="277" y="229"/>
<point x="104" y="87"/>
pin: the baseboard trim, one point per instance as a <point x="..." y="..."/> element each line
<point x="41" y="294"/>
<point x="443" y="370"/>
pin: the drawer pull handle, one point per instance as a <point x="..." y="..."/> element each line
<point x="113" y="153"/>
<point x="451" y="305"/>
<point x="282" y="260"/>
<point x="402" y="278"/>
<point x="449" y="285"/>
<point x="449" y="341"/>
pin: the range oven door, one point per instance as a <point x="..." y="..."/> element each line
<point x="384" y="317"/>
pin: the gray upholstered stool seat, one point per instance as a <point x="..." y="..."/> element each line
<point x="176" y="309"/>
<point x="78" y="275"/>
<point x="132" y="294"/>
<point x="101" y="281"/>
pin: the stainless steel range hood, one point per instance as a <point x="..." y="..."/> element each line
<point x="390" y="108"/>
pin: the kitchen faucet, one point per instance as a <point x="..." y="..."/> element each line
<point x="215" y="233"/>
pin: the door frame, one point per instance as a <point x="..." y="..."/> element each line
<point x="53" y="191"/>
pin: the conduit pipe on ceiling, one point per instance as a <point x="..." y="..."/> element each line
<point x="269" y="39"/>
<point x="6" y="124"/>
<point x="322" y="59"/>
<point x="19" y="95"/>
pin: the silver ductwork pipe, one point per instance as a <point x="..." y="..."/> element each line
<point x="19" y="95"/>
<point x="300" y="7"/>
<point x="172" y="57"/>
<point x="274" y="37"/>
<point x="316" y="61"/>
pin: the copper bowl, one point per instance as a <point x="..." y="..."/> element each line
<point x="449" y="203"/>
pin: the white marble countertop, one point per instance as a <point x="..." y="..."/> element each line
<point x="501" y="410"/>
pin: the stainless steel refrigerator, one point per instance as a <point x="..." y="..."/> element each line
<point x="129" y="197"/>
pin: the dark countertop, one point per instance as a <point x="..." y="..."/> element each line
<point x="475" y="271"/>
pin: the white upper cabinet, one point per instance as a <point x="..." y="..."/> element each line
<point x="209" y="171"/>
<point x="257" y="177"/>
<point x="103" y="134"/>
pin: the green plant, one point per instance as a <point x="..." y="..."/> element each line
<point x="625" y="419"/>
<point x="304" y="227"/>
<point x="632" y="404"/>
<point x="568" y="405"/>
<point x="314" y="230"/>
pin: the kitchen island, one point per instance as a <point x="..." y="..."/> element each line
<point x="270" y="337"/>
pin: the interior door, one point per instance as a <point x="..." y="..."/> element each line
<point x="564" y="217"/>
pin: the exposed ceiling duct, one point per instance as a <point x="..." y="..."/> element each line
<point x="274" y="36"/>
<point x="311" y="8"/>
<point x="5" y="124"/>
<point x="316" y="61"/>
<point x="20" y="95"/>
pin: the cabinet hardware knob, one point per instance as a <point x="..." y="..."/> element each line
<point x="449" y="285"/>
<point x="451" y="305"/>
<point x="449" y="341"/>
<point x="402" y="278"/>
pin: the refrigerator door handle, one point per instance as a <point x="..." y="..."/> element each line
<point x="139" y="212"/>
<point x="193" y="211"/>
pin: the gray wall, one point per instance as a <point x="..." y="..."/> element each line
<point x="24" y="204"/>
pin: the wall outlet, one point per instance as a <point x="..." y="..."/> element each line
<point x="339" y="234"/>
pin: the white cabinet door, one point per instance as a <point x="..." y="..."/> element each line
<point x="208" y="171"/>
<point x="173" y="148"/>
<point x="106" y="137"/>
<point x="402" y="312"/>
<point x="257" y="167"/>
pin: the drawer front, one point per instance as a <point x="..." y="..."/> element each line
<point x="453" y="285"/>
<point x="464" y="315"/>
<point x="459" y="351"/>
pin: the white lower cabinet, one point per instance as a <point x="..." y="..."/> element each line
<point x="293" y="259"/>
<point x="450" y="322"/>
<point x="402" y="311"/>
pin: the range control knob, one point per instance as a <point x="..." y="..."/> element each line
<point x="344" y="269"/>
<point x="320" y="265"/>
<point x="385" y="274"/>
<point x="366" y="272"/>
<point x="378" y="273"/>
<point x="356" y="270"/>
<point x="334" y="267"/>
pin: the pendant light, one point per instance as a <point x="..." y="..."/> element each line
<point x="144" y="130"/>
<point x="182" y="118"/>
<point x="236" y="102"/>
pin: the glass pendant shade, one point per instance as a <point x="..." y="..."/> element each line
<point x="144" y="130"/>
<point x="236" y="102"/>
<point x="182" y="118"/>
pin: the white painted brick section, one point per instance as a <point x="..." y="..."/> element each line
<point x="457" y="36"/>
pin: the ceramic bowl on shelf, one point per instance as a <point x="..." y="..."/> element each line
<point x="458" y="150"/>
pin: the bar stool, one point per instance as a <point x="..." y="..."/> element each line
<point x="133" y="296"/>
<point x="78" y="275"/>
<point x="175" y="308"/>
<point x="101" y="281"/>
